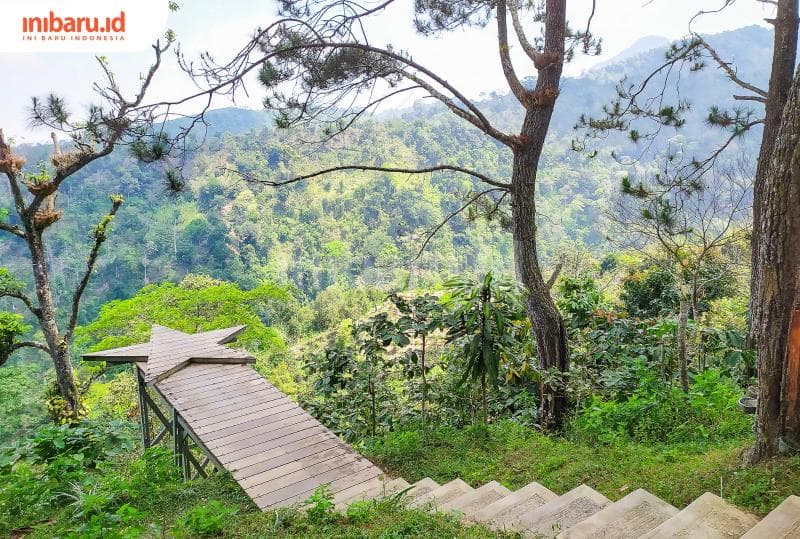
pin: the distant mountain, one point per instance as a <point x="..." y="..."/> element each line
<point x="231" y="120"/>
<point x="748" y="48"/>
<point x="356" y="228"/>
<point x="641" y="45"/>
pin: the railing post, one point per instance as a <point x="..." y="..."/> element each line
<point x="143" y="407"/>
<point x="177" y="434"/>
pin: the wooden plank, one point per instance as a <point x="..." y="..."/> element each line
<point x="302" y="467"/>
<point x="175" y="380"/>
<point x="217" y="409"/>
<point x="259" y="418"/>
<point x="299" y="491"/>
<point x="297" y="442"/>
<point x="349" y="485"/>
<point x="252" y="418"/>
<point x="188" y="400"/>
<point x="219" y="392"/>
<point x="258" y="432"/>
<point x="254" y="427"/>
<point x="242" y="415"/>
<point x="329" y="460"/>
<point x="195" y="370"/>
<point x="344" y="483"/>
<point x="221" y="412"/>
<point x="283" y="455"/>
<point x="247" y="454"/>
<point x="212" y="400"/>
<point x="236" y="449"/>
<point x="211" y="381"/>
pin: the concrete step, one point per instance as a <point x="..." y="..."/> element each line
<point x="637" y="513"/>
<point x="708" y="517"/>
<point x="396" y="485"/>
<point x="422" y="487"/>
<point x="357" y="492"/>
<point x="477" y="499"/>
<point x="782" y="523"/>
<point x="375" y="488"/>
<point x="501" y="513"/>
<point x="437" y="497"/>
<point x="560" y="514"/>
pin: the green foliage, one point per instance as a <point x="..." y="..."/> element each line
<point x="319" y="506"/>
<point x="204" y="520"/>
<point x="578" y="300"/>
<point x="198" y="303"/>
<point x="661" y="413"/>
<point x="650" y="293"/>
<point x="483" y="320"/>
<point x="68" y="446"/>
<point x="337" y="303"/>
<point x="51" y="468"/>
<point x="21" y="401"/>
<point x="12" y="326"/>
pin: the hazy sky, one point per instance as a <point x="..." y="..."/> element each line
<point x="468" y="58"/>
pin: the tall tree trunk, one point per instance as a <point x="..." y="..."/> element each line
<point x="791" y="380"/>
<point x="548" y="327"/>
<point x="784" y="54"/>
<point x="59" y="350"/>
<point x="777" y="256"/>
<point x="683" y="317"/>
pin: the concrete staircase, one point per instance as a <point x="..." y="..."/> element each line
<point x="583" y="513"/>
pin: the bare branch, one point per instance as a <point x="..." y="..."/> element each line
<point x="430" y="234"/>
<point x="556" y="272"/>
<point x="20" y="295"/>
<point x="730" y="71"/>
<point x="757" y="98"/>
<point x="436" y="168"/>
<point x="519" y="91"/>
<point x="5" y="354"/>
<point x="532" y="52"/>
<point x="100" y="235"/>
<point x="12" y="229"/>
<point x="29" y="344"/>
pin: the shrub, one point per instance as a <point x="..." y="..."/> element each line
<point x="319" y="506"/>
<point x="661" y="413"/>
<point x="650" y="293"/>
<point x="73" y="446"/>
<point x="204" y="520"/>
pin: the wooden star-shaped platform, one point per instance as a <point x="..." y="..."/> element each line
<point x="170" y="350"/>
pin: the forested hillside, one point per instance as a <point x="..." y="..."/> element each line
<point x="364" y="228"/>
<point x="389" y="307"/>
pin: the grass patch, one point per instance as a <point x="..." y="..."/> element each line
<point x="143" y="496"/>
<point x="515" y="455"/>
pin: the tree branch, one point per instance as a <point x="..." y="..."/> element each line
<point x="556" y="272"/>
<point x="429" y="236"/>
<point x="12" y="229"/>
<point x="20" y="295"/>
<point x="437" y="168"/>
<point x="29" y="344"/>
<point x="519" y="91"/>
<point x="532" y="52"/>
<point x="99" y="233"/>
<point x="729" y="71"/>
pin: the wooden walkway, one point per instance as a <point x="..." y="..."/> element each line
<point x="275" y="450"/>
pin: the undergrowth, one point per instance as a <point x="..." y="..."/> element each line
<point x="516" y="455"/>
